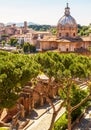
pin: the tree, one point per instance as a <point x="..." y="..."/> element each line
<point x="83" y="30"/>
<point x="75" y="66"/>
<point x="77" y="69"/>
<point x="77" y="95"/>
<point x="13" y="42"/>
<point x="40" y="27"/>
<point x="32" y="48"/>
<point x="53" y="31"/>
<point x="26" y="47"/>
<point x="65" y="69"/>
<point x="15" y="71"/>
<point x="3" y="43"/>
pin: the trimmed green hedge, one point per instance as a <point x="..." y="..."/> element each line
<point x="61" y="123"/>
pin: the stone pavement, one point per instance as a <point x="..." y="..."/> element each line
<point x="85" y="122"/>
<point x="42" y="118"/>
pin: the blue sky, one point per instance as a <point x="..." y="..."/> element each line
<point x="44" y="11"/>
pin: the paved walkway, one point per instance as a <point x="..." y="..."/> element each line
<point x="43" y="122"/>
<point x="85" y="122"/>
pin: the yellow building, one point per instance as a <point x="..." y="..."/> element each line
<point x="67" y="39"/>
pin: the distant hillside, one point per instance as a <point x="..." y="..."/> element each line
<point x="40" y="27"/>
<point x="21" y="24"/>
<point x="50" y="28"/>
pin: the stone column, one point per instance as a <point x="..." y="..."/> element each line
<point x="22" y="111"/>
<point x="27" y="105"/>
<point x="41" y="100"/>
<point x="32" y="104"/>
<point x="15" y="123"/>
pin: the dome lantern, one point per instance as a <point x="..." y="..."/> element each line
<point x="67" y="10"/>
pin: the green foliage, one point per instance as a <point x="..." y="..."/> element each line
<point x="64" y="66"/>
<point x="15" y="71"/>
<point x="3" y="53"/>
<point x="27" y="47"/>
<point x="32" y="48"/>
<point x="61" y="123"/>
<point x="76" y="97"/>
<point x="84" y="30"/>
<point x="53" y="30"/>
<point x="4" y="128"/>
<point x="89" y="49"/>
<point x="40" y="27"/>
<point x="13" y="42"/>
<point x="3" y="43"/>
<point x="4" y="35"/>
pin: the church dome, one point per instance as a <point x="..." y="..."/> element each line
<point x="67" y="19"/>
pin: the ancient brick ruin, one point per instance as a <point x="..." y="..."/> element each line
<point x="30" y="98"/>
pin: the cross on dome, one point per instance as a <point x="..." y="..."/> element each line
<point x="67" y="5"/>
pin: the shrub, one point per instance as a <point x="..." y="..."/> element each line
<point x="61" y="123"/>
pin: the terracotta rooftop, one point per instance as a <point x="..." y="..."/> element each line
<point x="41" y="32"/>
<point x="54" y="38"/>
<point x="49" y="38"/>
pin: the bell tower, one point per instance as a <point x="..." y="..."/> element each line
<point x="25" y="26"/>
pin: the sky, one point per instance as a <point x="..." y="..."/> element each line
<point x="44" y="11"/>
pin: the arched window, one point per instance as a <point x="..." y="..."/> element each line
<point x="59" y="34"/>
<point x="74" y="34"/>
<point x="67" y="34"/>
<point x="67" y="49"/>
